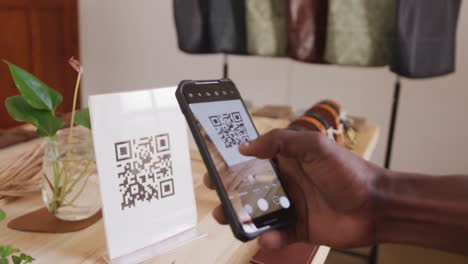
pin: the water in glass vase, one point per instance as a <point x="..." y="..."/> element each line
<point x="70" y="188"/>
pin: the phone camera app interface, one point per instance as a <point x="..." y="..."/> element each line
<point x="252" y="184"/>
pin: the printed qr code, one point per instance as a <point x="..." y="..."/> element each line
<point x="144" y="169"/>
<point x="230" y="128"/>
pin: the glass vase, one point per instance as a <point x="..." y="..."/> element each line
<point x="70" y="188"/>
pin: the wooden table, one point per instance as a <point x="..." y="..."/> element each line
<point x="89" y="245"/>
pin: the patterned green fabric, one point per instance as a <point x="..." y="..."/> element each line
<point x="266" y="27"/>
<point x="360" y="32"/>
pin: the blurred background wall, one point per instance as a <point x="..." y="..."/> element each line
<point x="130" y="45"/>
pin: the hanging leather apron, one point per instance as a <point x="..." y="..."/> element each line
<point x="266" y="27"/>
<point x="227" y="26"/>
<point x="360" y="32"/>
<point x="425" y="37"/>
<point x="307" y="21"/>
<point x="191" y="21"/>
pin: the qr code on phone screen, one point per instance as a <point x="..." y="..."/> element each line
<point x="144" y="169"/>
<point x="230" y="128"/>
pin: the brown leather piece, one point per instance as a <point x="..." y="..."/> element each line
<point x="336" y="105"/>
<point x="330" y="114"/>
<point x="307" y="21"/>
<point x="298" y="253"/>
<point x="310" y="124"/>
<point x="325" y="111"/>
<point x="41" y="221"/>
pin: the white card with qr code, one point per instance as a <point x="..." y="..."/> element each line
<point x="142" y="154"/>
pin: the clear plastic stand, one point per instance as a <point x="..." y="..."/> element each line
<point x="159" y="248"/>
<point x="148" y="209"/>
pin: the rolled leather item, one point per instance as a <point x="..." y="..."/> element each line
<point x="227" y="26"/>
<point x="360" y="32"/>
<point x="308" y="123"/>
<point x="307" y="21"/>
<point x="328" y="113"/>
<point x="333" y="104"/>
<point x="331" y="118"/>
<point x="266" y="27"/>
<point x="191" y="21"/>
<point x="425" y="38"/>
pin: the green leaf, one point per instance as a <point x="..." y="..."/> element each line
<point x="46" y="123"/>
<point x="49" y="124"/>
<point x="26" y="258"/>
<point x="20" y="110"/>
<point x="2" y="215"/>
<point x="6" y="251"/>
<point x="16" y="259"/>
<point x="36" y="93"/>
<point x="3" y="260"/>
<point x="41" y="132"/>
<point x="82" y="118"/>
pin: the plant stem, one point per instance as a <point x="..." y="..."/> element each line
<point x="75" y="96"/>
<point x="58" y="192"/>
<point x="68" y="176"/>
<point x="48" y="182"/>
<point x="53" y="203"/>
<point x="82" y="173"/>
<point x="78" y="193"/>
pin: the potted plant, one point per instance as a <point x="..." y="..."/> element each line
<point x="70" y="188"/>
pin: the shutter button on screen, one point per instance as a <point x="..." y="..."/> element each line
<point x="248" y="208"/>
<point x="262" y="204"/>
<point x="284" y="201"/>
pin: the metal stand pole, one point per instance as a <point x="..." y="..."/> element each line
<point x="388" y="155"/>
<point x="391" y="130"/>
<point x="225" y="66"/>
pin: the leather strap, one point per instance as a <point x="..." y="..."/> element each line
<point x="309" y="123"/>
<point x="330" y="115"/>
<point x="327" y="112"/>
<point x="333" y="104"/>
<point x="320" y="119"/>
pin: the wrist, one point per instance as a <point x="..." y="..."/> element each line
<point x="422" y="210"/>
<point x="381" y="183"/>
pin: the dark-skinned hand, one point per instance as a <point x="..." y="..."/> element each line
<point x="331" y="189"/>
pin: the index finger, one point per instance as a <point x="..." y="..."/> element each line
<point x="291" y="144"/>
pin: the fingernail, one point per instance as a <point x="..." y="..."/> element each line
<point x="244" y="145"/>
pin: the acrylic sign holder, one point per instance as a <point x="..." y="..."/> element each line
<point x="142" y="153"/>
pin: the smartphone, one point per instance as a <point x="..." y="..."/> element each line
<point x="250" y="189"/>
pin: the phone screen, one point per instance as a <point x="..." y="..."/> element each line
<point x="252" y="184"/>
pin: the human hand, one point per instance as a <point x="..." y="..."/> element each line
<point x="331" y="189"/>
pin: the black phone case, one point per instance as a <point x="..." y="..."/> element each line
<point x="228" y="210"/>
